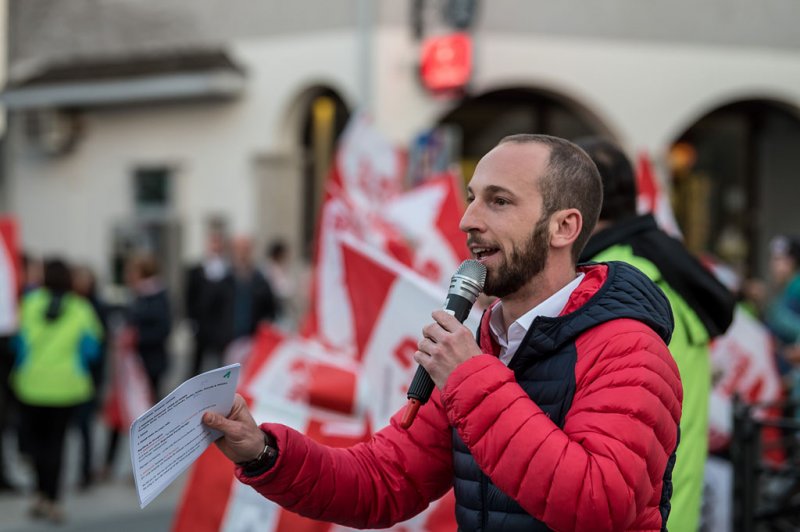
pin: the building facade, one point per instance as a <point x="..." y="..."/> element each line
<point x="135" y="123"/>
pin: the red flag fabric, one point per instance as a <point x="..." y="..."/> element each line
<point x="129" y="395"/>
<point x="9" y="275"/>
<point x="652" y="197"/>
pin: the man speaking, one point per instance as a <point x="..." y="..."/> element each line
<point x="561" y="414"/>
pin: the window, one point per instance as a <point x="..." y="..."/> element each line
<point x="152" y="190"/>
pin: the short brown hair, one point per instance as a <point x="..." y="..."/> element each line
<point x="570" y="181"/>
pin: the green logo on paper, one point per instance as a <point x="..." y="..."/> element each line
<point x="227" y="375"/>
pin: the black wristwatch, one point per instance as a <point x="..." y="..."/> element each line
<point x="263" y="462"/>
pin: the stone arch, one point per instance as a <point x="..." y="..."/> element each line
<point x="481" y="121"/>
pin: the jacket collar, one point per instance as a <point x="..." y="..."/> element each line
<point x="609" y="291"/>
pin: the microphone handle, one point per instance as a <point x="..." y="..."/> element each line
<point x="422" y="384"/>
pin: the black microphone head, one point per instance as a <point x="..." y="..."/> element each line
<point x="468" y="280"/>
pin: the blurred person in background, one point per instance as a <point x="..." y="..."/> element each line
<point x="9" y="418"/>
<point x="701" y="305"/>
<point x="150" y="316"/>
<point x="59" y="338"/>
<point x="32" y="278"/>
<point x="277" y="272"/>
<point x="249" y="300"/>
<point x="149" y="320"/>
<point x="204" y="298"/>
<point x="6" y="401"/>
<point x="84" y="284"/>
<point x="782" y="313"/>
<point x="254" y="299"/>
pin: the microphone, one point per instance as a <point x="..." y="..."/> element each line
<point x="465" y="285"/>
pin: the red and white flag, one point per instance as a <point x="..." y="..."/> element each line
<point x="327" y="394"/>
<point x="652" y="198"/>
<point x="428" y="217"/>
<point x="9" y="275"/>
<point x="742" y="362"/>
<point x="418" y="228"/>
<point x="392" y="310"/>
<point x="383" y="261"/>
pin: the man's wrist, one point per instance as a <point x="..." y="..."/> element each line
<point x="264" y="461"/>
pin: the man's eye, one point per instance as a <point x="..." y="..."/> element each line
<point x="470" y="199"/>
<point x="500" y="201"/>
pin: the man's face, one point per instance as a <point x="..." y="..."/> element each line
<point x="782" y="267"/>
<point x="505" y="228"/>
<point x="216" y="244"/>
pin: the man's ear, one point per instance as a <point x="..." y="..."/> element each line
<point x="565" y="226"/>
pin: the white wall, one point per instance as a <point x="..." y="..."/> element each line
<point x="68" y="204"/>
<point x="647" y="93"/>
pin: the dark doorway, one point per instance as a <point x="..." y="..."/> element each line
<point x="480" y="122"/>
<point x="735" y="186"/>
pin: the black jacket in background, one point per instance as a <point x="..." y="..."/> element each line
<point x="150" y="315"/>
<point x="210" y="306"/>
<point x="708" y="298"/>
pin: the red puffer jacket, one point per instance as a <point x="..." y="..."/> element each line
<point x="603" y="470"/>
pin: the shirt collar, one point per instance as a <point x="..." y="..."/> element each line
<point x="550" y="307"/>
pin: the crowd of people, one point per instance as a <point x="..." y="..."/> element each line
<point x="55" y="370"/>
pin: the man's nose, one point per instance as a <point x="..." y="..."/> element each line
<point x="470" y="221"/>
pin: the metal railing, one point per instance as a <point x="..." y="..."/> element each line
<point x="766" y="494"/>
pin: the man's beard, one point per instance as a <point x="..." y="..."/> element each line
<point x="523" y="265"/>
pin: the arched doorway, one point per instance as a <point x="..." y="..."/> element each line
<point x="734" y="181"/>
<point x="480" y="122"/>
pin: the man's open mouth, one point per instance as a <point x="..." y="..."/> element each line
<point x="482" y="253"/>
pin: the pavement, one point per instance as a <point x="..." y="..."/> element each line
<point x="110" y="505"/>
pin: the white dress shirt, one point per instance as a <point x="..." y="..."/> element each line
<point x="550" y="307"/>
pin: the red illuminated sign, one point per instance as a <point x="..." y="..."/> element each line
<point x="446" y="63"/>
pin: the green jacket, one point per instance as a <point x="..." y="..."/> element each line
<point x="53" y="355"/>
<point x="690" y="349"/>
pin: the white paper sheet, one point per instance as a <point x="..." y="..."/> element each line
<point x="166" y="439"/>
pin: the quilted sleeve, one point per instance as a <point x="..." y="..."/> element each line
<point x="606" y="466"/>
<point x="375" y="484"/>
